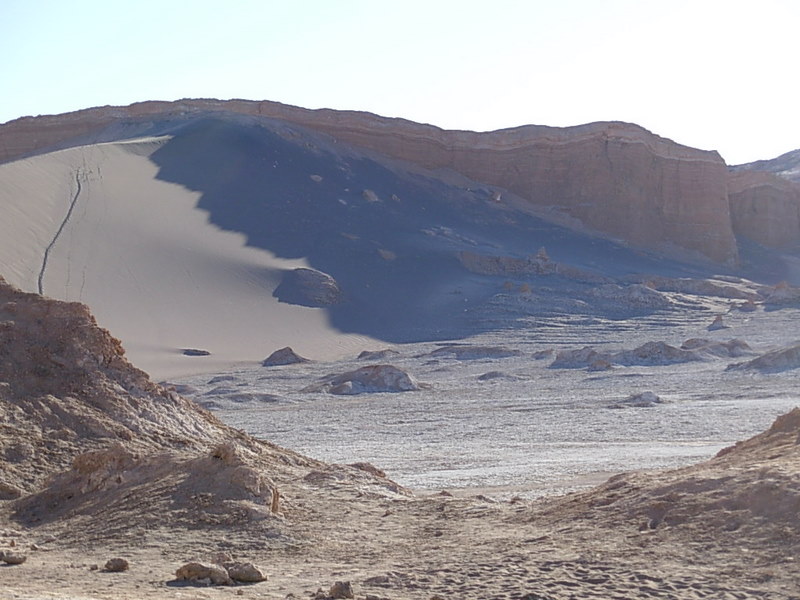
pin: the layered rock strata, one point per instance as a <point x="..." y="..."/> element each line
<point x="616" y="178"/>
<point x="765" y="208"/>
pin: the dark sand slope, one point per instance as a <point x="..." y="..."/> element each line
<point x="389" y="236"/>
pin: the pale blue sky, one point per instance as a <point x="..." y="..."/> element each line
<point x="714" y="74"/>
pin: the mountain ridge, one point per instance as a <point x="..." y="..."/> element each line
<point x="597" y="173"/>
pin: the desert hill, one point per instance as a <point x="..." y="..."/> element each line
<point x="205" y="233"/>
<point x="99" y="462"/>
<point x="615" y="178"/>
<point x="237" y="235"/>
<point x="786" y="165"/>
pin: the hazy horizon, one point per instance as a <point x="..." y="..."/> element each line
<point x="712" y="75"/>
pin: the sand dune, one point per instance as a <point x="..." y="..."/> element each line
<point x="155" y="271"/>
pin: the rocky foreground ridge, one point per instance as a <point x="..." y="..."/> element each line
<point x="83" y="429"/>
<point x="614" y="178"/>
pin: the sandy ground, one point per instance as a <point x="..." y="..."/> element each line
<point x="415" y="548"/>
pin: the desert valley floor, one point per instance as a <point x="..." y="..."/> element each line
<point x="500" y="413"/>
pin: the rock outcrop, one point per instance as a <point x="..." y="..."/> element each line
<point x="371" y="379"/>
<point x="539" y="264"/>
<point x="284" y="356"/>
<point x="67" y="388"/>
<point x="378" y="354"/>
<point x="782" y="359"/>
<point x="474" y="352"/>
<point x="632" y="296"/>
<point x="640" y="400"/>
<point x="765" y="208"/>
<point x="89" y="442"/>
<point x="616" y="178"/>
<point x="748" y="491"/>
<point x="308" y="287"/>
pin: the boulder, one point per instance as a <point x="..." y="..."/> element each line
<point x="203" y="574"/>
<point x="284" y="356"/>
<point x="578" y="358"/>
<point x="634" y="296"/>
<point x="378" y="354"/>
<point x="782" y="293"/>
<point x="116" y="565"/>
<point x="711" y="348"/>
<point x="474" y="352"/>
<point x="654" y="353"/>
<point x="371" y="379"/>
<point x="12" y="558"/>
<point x="490" y="375"/>
<point x="245" y="572"/>
<point x="341" y="590"/>
<point x="783" y="359"/>
<point x="308" y="287"/>
<point x="195" y="352"/>
<point x="640" y="400"/>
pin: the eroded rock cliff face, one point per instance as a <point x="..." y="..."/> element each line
<point x="765" y="208"/>
<point x="616" y="178"/>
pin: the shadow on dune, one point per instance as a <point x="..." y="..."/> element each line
<point x="389" y="237"/>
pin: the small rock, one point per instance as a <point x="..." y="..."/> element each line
<point x="34" y="547"/>
<point x="370" y="196"/>
<point x="94" y="567"/>
<point x="203" y="574"/>
<point x="195" y="352"/>
<point x="717" y="323"/>
<point x="284" y="356"/>
<point x="341" y="589"/>
<point x="378" y="354"/>
<point x="245" y="572"/>
<point x="13" y="558"/>
<point x="640" y="400"/>
<point x="221" y="558"/>
<point x="116" y="565"/>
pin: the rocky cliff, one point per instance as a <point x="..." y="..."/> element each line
<point x="765" y="208"/>
<point x="616" y="178"/>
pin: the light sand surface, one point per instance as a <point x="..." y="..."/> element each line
<point x="149" y="264"/>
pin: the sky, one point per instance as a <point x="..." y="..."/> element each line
<point x="712" y="74"/>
